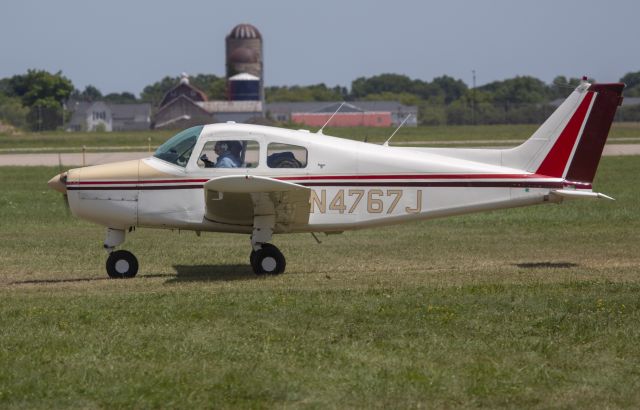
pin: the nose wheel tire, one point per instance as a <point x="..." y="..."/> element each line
<point x="268" y="260"/>
<point x="121" y="265"/>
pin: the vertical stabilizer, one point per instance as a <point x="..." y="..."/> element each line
<point x="570" y="143"/>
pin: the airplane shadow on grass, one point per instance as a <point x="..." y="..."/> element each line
<point x="184" y="273"/>
<point x="547" y="265"/>
<point x="212" y="273"/>
<point x="80" y="280"/>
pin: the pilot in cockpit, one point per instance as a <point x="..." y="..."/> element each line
<point x="228" y="155"/>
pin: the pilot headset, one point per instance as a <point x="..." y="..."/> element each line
<point x="223" y="145"/>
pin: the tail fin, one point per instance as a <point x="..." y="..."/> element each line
<point x="569" y="144"/>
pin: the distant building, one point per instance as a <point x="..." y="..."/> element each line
<point x="348" y="116"/>
<point x="352" y="114"/>
<point x="183" y="89"/>
<point x="185" y="105"/>
<point x="104" y="116"/>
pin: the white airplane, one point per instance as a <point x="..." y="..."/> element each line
<point x="260" y="181"/>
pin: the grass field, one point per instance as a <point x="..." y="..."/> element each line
<point x="138" y="141"/>
<point x="532" y="307"/>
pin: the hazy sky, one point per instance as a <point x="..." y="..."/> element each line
<point x="123" y="45"/>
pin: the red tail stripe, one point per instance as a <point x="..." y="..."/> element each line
<point x="556" y="160"/>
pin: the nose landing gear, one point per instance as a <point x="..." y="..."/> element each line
<point x="122" y="264"/>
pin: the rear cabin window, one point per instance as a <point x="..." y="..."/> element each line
<point x="286" y="156"/>
<point x="229" y="154"/>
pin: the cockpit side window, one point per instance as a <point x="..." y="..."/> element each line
<point x="286" y="156"/>
<point x="177" y="150"/>
<point x="229" y="154"/>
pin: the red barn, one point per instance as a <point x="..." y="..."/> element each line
<point x="348" y="116"/>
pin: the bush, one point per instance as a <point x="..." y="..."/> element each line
<point x="12" y="112"/>
<point x="45" y="114"/>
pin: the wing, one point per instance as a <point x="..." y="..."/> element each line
<point x="239" y="199"/>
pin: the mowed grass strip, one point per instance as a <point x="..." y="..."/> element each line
<point x="568" y="345"/>
<point x="531" y="307"/>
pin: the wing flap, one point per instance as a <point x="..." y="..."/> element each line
<point x="238" y="199"/>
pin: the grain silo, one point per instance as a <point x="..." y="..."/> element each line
<point x="244" y="51"/>
<point x="244" y="87"/>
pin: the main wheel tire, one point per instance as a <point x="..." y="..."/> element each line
<point x="268" y="260"/>
<point x="252" y="256"/>
<point x="252" y="260"/>
<point x="121" y="265"/>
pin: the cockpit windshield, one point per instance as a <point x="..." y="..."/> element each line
<point x="177" y="150"/>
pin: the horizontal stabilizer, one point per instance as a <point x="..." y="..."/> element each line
<point x="571" y="194"/>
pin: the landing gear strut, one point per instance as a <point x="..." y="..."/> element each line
<point x="120" y="264"/>
<point x="267" y="260"/>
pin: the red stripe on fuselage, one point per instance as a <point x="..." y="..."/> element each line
<point x="153" y="181"/>
<point x="416" y="176"/>
<point x="428" y="180"/>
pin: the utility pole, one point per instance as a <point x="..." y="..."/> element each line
<point x="473" y="99"/>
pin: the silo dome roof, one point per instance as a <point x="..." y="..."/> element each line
<point x="244" y="77"/>
<point x="244" y="31"/>
<point x="243" y="55"/>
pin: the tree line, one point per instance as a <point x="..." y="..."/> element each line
<point x="36" y="100"/>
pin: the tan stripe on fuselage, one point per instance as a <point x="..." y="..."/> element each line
<point x="121" y="171"/>
<point x="148" y="172"/>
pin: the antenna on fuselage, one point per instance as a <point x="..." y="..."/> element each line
<point x="330" y="118"/>
<point x="386" y="143"/>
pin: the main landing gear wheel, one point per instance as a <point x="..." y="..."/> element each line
<point x="122" y="264"/>
<point x="268" y="260"/>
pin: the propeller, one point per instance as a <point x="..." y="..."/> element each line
<point x="59" y="183"/>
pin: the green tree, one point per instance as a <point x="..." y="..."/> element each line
<point x="395" y="83"/>
<point x="432" y="114"/>
<point x="449" y="87"/>
<point x="514" y="92"/>
<point x="632" y="80"/>
<point x="90" y="93"/>
<point x="474" y="107"/>
<point x="43" y="94"/>
<point x="12" y="111"/>
<point x="5" y="86"/>
<point x="562" y="86"/>
<point x="40" y="85"/>
<point x="121" y="98"/>
<point x="45" y="114"/>
<point x="213" y="86"/>
<point x="316" y="92"/>
<point x="403" y="98"/>
<point x="154" y="93"/>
